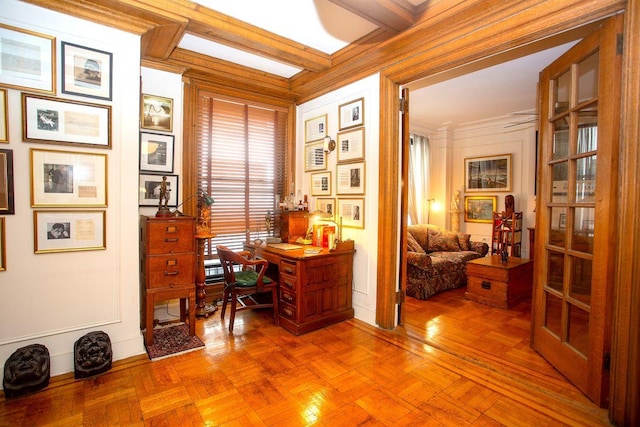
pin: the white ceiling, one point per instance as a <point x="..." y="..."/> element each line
<point x="494" y="88"/>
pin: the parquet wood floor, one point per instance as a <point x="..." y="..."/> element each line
<point x="349" y="374"/>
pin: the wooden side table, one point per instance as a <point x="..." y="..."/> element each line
<point x="498" y="284"/>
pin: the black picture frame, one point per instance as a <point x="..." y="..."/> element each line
<point x="86" y="71"/>
<point x="7" y="205"/>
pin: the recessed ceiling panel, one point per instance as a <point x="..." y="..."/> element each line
<point x="220" y="51"/>
<point x="319" y="24"/>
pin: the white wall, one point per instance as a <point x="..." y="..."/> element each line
<point x="450" y="147"/>
<point x="55" y="298"/>
<point x="366" y="240"/>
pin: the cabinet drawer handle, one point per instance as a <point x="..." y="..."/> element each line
<point x="485" y="284"/>
<point x="287" y="297"/>
<point x="171" y="240"/>
<point x="288" y="284"/>
<point x="287" y="312"/>
<point x="288" y="270"/>
<point x="171" y="273"/>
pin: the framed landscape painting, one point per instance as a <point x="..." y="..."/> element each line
<point x="480" y="208"/>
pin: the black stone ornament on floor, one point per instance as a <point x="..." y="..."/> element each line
<point x="27" y="370"/>
<point x="92" y="354"/>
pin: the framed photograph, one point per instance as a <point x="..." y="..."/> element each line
<point x="480" y="208"/>
<point x="67" y="231"/>
<point x="55" y="121"/>
<point x="350" y="146"/>
<point x="150" y="190"/>
<point x="68" y="178"/>
<point x="327" y="205"/>
<point x="157" y="113"/>
<point x="3" y="240"/>
<point x="350" y="178"/>
<point x="4" y="116"/>
<point x="86" y="71"/>
<point x="28" y="60"/>
<point x="156" y="152"/>
<point x="351" y="114"/>
<point x="562" y="221"/>
<point x="6" y="183"/>
<point x="491" y="173"/>
<point x="315" y="129"/>
<point x="351" y="211"/>
<point x="321" y="184"/>
<point x="314" y="157"/>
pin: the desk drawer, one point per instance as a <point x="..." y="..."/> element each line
<point x="288" y="282"/>
<point x="287" y="311"/>
<point x="288" y="267"/>
<point x="288" y="296"/>
<point x="166" y="270"/>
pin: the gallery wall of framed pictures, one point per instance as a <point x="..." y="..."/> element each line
<point x="336" y="190"/>
<point x="68" y="186"/>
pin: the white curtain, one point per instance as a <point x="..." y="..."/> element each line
<point x="418" y="186"/>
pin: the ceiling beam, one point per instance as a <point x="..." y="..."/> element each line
<point x="394" y="16"/>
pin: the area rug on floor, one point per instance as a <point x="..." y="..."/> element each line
<point x="172" y="340"/>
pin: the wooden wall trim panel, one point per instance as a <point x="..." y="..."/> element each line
<point x="625" y="346"/>
<point x="388" y="205"/>
<point x="393" y="15"/>
<point x="160" y="41"/>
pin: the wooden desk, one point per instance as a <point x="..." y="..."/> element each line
<point x="315" y="290"/>
<point x="491" y="282"/>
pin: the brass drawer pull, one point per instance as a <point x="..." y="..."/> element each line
<point x="288" y="284"/>
<point x="287" y="312"/>
<point x="289" y="270"/>
<point x="287" y="298"/>
<point x="171" y="273"/>
<point x="171" y="240"/>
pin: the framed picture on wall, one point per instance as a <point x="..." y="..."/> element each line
<point x="480" y="208"/>
<point x="150" y="190"/>
<point x="6" y="183"/>
<point x="321" y="184"/>
<point x="351" y="114"/>
<point x="314" y="157"/>
<point x="350" y="178"/>
<point x="4" y="116"/>
<point x="3" y="257"/>
<point x="486" y="174"/>
<point x="55" y="121"/>
<point x="350" y="146"/>
<point x="352" y="212"/>
<point x="28" y="60"/>
<point x="156" y="152"/>
<point x="66" y="231"/>
<point x="86" y="71"/>
<point x="326" y="204"/>
<point x="315" y="129"/>
<point x="157" y="113"/>
<point x="68" y="178"/>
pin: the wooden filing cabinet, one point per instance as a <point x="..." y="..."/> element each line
<point x="498" y="284"/>
<point x="315" y="290"/>
<point x="167" y="268"/>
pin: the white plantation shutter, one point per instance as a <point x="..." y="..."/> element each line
<point x="240" y="163"/>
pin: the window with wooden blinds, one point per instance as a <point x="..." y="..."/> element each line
<point x="240" y="162"/>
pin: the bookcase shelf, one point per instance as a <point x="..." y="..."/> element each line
<point x="506" y="233"/>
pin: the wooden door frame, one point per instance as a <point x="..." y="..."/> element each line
<point x="495" y="38"/>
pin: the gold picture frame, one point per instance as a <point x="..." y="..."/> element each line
<point x="351" y="212"/>
<point x="480" y="208"/>
<point x="321" y="183"/>
<point x="3" y="248"/>
<point x="68" y="179"/>
<point x="4" y="116"/>
<point x="65" y="122"/>
<point x="29" y="60"/>
<point x="351" y="114"/>
<point x="69" y="231"/>
<point x="315" y="129"/>
<point x="350" y="178"/>
<point x="156" y="113"/>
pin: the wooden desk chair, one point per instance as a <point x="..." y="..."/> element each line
<point x="241" y="286"/>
